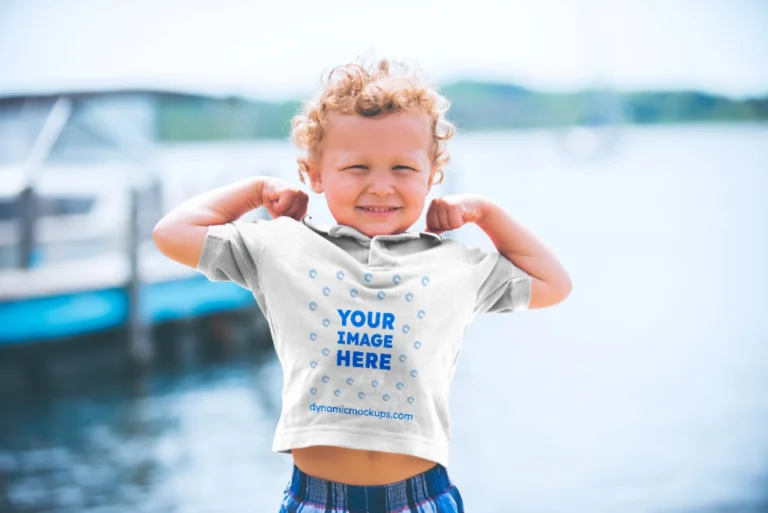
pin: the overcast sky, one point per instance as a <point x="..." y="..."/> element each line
<point x="279" y="48"/>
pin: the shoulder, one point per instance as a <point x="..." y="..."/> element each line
<point x="282" y="233"/>
<point x="456" y="249"/>
<point x="256" y="234"/>
<point x="268" y="226"/>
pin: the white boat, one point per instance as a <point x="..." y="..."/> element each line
<point x="81" y="155"/>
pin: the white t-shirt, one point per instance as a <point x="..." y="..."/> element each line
<point x="367" y="329"/>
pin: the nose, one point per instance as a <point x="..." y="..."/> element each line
<point x="380" y="184"/>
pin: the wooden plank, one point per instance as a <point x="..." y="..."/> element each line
<point x="103" y="271"/>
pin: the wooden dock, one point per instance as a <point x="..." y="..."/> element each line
<point x="86" y="295"/>
<point x="82" y="285"/>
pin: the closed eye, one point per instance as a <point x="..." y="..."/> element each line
<point x="360" y="166"/>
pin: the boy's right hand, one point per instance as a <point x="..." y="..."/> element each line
<point x="180" y="234"/>
<point x="282" y="199"/>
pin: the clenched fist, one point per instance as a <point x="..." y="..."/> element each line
<point x="452" y="212"/>
<point x="282" y="199"/>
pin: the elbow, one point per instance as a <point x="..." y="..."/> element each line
<point x="545" y="294"/>
<point x="565" y="289"/>
<point x="159" y="236"/>
<point x="559" y="291"/>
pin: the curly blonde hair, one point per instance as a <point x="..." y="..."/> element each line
<point x="389" y="86"/>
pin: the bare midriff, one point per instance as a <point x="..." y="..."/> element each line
<point x="357" y="467"/>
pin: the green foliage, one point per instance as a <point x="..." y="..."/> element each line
<point x="196" y="118"/>
<point x="691" y="106"/>
<point x="474" y="106"/>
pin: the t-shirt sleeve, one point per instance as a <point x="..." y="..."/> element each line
<point x="232" y="252"/>
<point x="500" y="286"/>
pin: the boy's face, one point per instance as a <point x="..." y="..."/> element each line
<point x="375" y="171"/>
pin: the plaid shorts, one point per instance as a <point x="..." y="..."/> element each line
<point x="431" y="491"/>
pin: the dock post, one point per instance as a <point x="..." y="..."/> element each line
<point x="139" y="341"/>
<point x="187" y="343"/>
<point x="54" y="124"/>
<point x="27" y="206"/>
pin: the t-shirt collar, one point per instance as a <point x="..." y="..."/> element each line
<point x="341" y="230"/>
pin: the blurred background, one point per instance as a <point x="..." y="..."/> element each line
<point x="630" y="137"/>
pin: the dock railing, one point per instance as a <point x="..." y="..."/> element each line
<point x="41" y="149"/>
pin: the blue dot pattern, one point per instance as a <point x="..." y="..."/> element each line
<point x="354" y="293"/>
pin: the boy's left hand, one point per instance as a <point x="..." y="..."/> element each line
<point x="452" y="212"/>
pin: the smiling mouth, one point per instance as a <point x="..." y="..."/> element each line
<point x="379" y="209"/>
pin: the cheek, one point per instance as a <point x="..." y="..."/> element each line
<point x="417" y="190"/>
<point x="340" y="191"/>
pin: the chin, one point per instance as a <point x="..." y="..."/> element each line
<point x="372" y="231"/>
<point x="372" y="227"/>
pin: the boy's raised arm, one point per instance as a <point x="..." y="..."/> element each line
<point x="550" y="283"/>
<point x="181" y="233"/>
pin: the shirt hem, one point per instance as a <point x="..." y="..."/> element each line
<point x="284" y="442"/>
<point x="521" y="293"/>
<point x="213" y="245"/>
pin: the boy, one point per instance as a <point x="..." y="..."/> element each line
<point x="367" y="318"/>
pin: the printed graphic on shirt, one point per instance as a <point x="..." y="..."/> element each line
<point x="364" y="339"/>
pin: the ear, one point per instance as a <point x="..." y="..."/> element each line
<point x="314" y="175"/>
<point x="432" y="174"/>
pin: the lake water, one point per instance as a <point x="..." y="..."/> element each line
<point x="645" y="391"/>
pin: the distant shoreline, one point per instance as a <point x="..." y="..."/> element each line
<point x="181" y="116"/>
<point x="726" y="125"/>
<point x="474" y="106"/>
